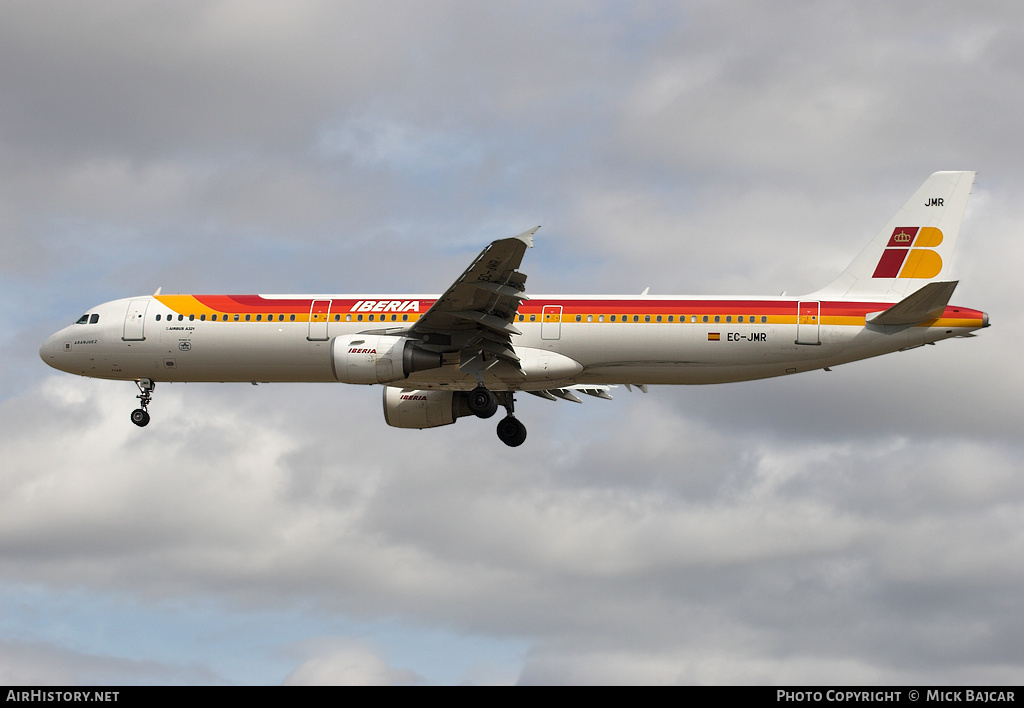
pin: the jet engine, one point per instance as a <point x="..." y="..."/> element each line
<point x="376" y="358"/>
<point x="404" y="408"/>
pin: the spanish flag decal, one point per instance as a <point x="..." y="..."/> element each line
<point x="714" y="336"/>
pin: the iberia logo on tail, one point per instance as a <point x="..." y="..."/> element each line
<point x="910" y="254"/>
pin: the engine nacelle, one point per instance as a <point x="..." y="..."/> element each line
<point x="423" y="409"/>
<point x="378" y="358"/>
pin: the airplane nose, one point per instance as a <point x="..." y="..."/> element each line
<point x="48" y="351"/>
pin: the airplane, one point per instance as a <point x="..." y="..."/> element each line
<point x="471" y="349"/>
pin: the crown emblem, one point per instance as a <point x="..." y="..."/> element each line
<point x="902" y="237"/>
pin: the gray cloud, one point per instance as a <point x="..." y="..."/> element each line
<point x="855" y="526"/>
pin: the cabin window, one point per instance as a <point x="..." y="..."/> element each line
<point x="236" y="318"/>
<point x="590" y="318"/>
<point x="394" y="317"/>
<point x="612" y="318"/>
<point x="248" y="318"/>
<point x="600" y="318"/>
<point x="704" y="318"/>
<point x="728" y="318"/>
<point x="579" y="318"/>
<point x="82" y="321"/>
<point x="405" y="318"/>
<point x="659" y="318"/>
<point x="191" y="318"/>
<point x="636" y="318"/>
<point x="533" y="318"/>
<point x="359" y="318"/>
<point x="348" y="318"/>
<point x="763" y="319"/>
<point x="291" y="318"/>
<point x="671" y="320"/>
<point x="202" y="318"/>
<point x="647" y="318"/>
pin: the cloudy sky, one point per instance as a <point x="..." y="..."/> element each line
<point x="858" y="526"/>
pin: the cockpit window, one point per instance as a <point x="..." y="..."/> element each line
<point x="84" y="319"/>
<point x="93" y="319"/>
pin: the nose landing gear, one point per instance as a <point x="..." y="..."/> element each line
<point x="140" y="416"/>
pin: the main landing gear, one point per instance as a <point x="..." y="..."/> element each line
<point x="140" y="416"/>
<point x="483" y="403"/>
<point x="511" y="431"/>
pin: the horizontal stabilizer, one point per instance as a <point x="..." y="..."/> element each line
<point x="928" y="303"/>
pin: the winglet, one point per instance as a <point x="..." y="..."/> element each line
<point x="527" y="236"/>
<point x="158" y="291"/>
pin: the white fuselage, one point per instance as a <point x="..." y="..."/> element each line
<point x="609" y="340"/>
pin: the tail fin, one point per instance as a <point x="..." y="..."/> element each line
<point x="914" y="248"/>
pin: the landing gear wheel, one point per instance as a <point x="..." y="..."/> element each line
<point x="140" y="416"/>
<point x="511" y="431"/>
<point x="482" y="403"/>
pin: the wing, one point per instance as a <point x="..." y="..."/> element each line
<point x="566" y="392"/>
<point x="474" y="316"/>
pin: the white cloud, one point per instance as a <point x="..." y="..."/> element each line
<point x="346" y="663"/>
